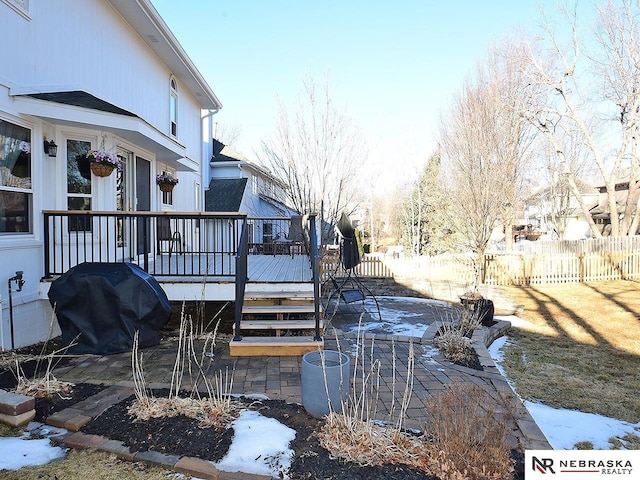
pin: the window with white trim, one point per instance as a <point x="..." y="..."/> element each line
<point x="173" y="107"/>
<point x="167" y="197"/>
<point x="16" y="193"/>
<point x="78" y="183"/>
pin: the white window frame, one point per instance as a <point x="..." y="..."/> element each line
<point x="27" y="191"/>
<point x="173" y="107"/>
<point x="90" y="196"/>
<point x="166" y="198"/>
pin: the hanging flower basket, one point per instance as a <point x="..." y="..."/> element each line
<point x="166" y="182"/>
<point x="101" y="169"/>
<point x="102" y="163"/>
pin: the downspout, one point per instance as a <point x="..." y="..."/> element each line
<point x="206" y="155"/>
<point x="20" y="282"/>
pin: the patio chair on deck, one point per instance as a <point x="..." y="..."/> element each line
<point x="165" y="234"/>
<point x="295" y="241"/>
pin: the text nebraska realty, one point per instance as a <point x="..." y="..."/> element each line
<point x="605" y="467"/>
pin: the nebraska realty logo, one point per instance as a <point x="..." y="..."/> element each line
<point x="576" y="464"/>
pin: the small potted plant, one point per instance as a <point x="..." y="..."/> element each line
<point x="166" y="181"/>
<point x="469" y="298"/>
<point x="101" y="162"/>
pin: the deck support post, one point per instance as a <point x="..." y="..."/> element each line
<point x="313" y="241"/>
<point x="241" y="276"/>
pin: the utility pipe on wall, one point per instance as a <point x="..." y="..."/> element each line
<point x="20" y="282"/>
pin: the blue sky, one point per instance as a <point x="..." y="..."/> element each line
<point x="392" y="65"/>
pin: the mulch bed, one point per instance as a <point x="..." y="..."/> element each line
<point x="48" y="406"/>
<point x="182" y="435"/>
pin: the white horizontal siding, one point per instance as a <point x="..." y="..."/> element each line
<point x="87" y="45"/>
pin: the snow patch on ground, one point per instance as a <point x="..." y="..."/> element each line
<point x="260" y="446"/>
<point x="562" y="427"/>
<point x="18" y="452"/>
<point x="396" y="320"/>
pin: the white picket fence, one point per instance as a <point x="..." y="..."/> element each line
<point x="610" y="258"/>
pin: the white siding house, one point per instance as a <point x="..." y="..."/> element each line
<point x="89" y="74"/>
<point x="238" y="185"/>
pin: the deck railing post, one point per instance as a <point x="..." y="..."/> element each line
<point x="313" y="243"/>
<point x="241" y="277"/>
<point x="145" y="244"/>
<point x="47" y="246"/>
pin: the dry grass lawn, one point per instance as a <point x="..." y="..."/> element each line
<point x="582" y="349"/>
<point x="91" y="465"/>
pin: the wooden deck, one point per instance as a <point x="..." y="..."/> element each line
<point x="221" y="268"/>
<point x="279" y="269"/>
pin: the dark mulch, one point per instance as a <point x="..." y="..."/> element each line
<point x="31" y="367"/>
<point x="177" y="435"/>
<point x="471" y="360"/>
<point x="181" y="435"/>
<point x="48" y="406"/>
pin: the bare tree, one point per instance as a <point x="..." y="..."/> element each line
<point x="226" y="133"/>
<point x="590" y="90"/>
<point x="556" y="198"/>
<point x="485" y="144"/>
<point x="317" y="153"/>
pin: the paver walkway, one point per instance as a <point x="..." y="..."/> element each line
<point x="279" y="377"/>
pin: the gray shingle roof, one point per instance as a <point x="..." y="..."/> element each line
<point x="79" y="98"/>
<point x="224" y="194"/>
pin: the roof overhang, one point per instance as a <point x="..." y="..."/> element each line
<point x="147" y="22"/>
<point x="84" y="110"/>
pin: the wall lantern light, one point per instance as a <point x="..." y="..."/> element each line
<point x="50" y="148"/>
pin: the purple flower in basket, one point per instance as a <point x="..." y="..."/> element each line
<point x="166" y="179"/>
<point x="100" y="156"/>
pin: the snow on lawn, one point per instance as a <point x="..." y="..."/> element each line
<point x="260" y="446"/>
<point x="564" y="428"/>
<point x="396" y="319"/>
<point x="18" y="452"/>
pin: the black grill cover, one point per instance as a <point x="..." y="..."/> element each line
<point x="105" y="303"/>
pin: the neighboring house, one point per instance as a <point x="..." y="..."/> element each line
<point x="555" y="202"/>
<point x="90" y="74"/>
<point x="601" y="212"/>
<point x="238" y="185"/>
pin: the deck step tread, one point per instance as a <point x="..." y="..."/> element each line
<point x="274" y="346"/>
<point x="278" y="324"/>
<point x="274" y="341"/>
<point x="275" y="309"/>
<point x="265" y="295"/>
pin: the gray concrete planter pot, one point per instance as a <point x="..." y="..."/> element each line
<point x="322" y="366"/>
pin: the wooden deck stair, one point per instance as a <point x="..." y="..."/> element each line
<point x="278" y="321"/>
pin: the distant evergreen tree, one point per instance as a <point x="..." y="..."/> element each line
<point x="425" y="228"/>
